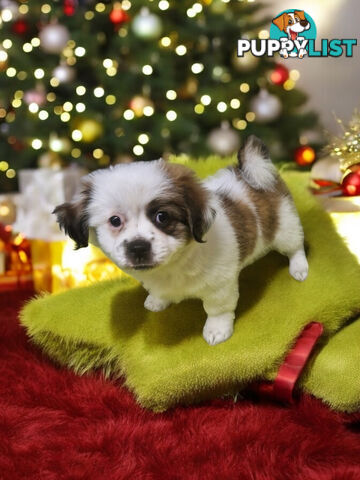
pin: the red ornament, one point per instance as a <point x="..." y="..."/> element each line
<point x="279" y="75"/>
<point x="351" y="183"/>
<point x="118" y="16"/>
<point x="304" y="155"/>
<point x="20" y="27"/>
<point x="69" y="7"/>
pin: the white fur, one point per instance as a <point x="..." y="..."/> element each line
<point x="209" y="270"/>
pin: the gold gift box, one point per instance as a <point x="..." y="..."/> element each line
<point x="58" y="267"/>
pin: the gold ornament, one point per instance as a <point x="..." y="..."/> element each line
<point x="90" y="129"/>
<point x="246" y="63"/>
<point x="189" y="89"/>
<point x="7" y="211"/>
<point x="347" y="147"/>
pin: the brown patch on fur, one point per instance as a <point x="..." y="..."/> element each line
<point x="177" y="224"/>
<point x="267" y="204"/>
<point x="73" y="217"/>
<point x="243" y="222"/>
<point x="188" y="192"/>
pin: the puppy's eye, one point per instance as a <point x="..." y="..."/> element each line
<point x="290" y="21"/>
<point x="115" y="221"/>
<point x="162" y="218"/>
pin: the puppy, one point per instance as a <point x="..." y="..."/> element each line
<point x="292" y="24"/>
<point x="182" y="238"/>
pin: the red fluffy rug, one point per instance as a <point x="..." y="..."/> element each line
<point x="56" y="425"/>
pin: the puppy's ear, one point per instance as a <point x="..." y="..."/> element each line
<point x="280" y="21"/>
<point x="73" y="217"/>
<point x="194" y="197"/>
<point x="300" y="14"/>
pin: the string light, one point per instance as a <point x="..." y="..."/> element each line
<point x="180" y="50"/>
<point x="4" y="166"/>
<point x="68" y="106"/>
<point x="171" y="94"/>
<point x="98" y="153"/>
<point x="65" y="117"/>
<point x="107" y="63"/>
<point x="76" y="135"/>
<point x="197" y="7"/>
<point x="294" y="75"/>
<point x="199" y="108"/>
<point x="33" y="107"/>
<point x="89" y="15"/>
<point x="16" y="103"/>
<point x="80" y="107"/>
<point x="39" y="73"/>
<point x="244" y="87"/>
<point x="75" y="152"/>
<point x="205" y="99"/>
<point x="163" y="5"/>
<point x="221" y="107"/>
<point x="79" y="51"/>
<point x="235" y="103"/>
<point x="6" y="15"/>
<point x="250" y="116"/>
<point x="2" y="112"/>
<point x="110" y="99"/>
<point x="43" y="115"/>
<point x="100" y="7"/>
<point x="148" y="111"/>
<point x="239" y="124"/>
<point x="51" y="97"/>
<point x="138" y="150"/>
<point x="129" y="114"/>
<point x="264" y="34"/>
<point x="27" y="47"/>
<point x="35" y="42"/>
<point x="23" y="9"/>
<point x="126" y="5"/>
<point x="197" y="68"/>
<point x="147" y="70"/>
<point x="3" y="56"/>
<point x="21" y="75"/>
<point x="289" y="84"/>
<point x="171" y="115"/>
<point x="165" y="42"/>
<point x="11" y="72"/>
<point x="11" y="173"/>
<point x="7" y="43"/>
<point x="46" y="8"/>
<point x="99" y="92"/>
<point x="143" y="138"/>
<point x="80" y="90"/>
<point x="54" y="82"/>
<point x="190" y="12"/>
<point x="36" y="144"/>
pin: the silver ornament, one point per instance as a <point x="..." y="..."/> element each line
<point x="146" y="25"/>
<point x="223" y="140"/>
<point x="64" y="73"/>
<point x="53" y="38"/>
<point x="267" y="107"/>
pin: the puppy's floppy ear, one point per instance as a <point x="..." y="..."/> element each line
<point x="280" y="21"/>
<point x="194" y="197"/>
<point x="199" y="212"/>
<point x="300" y="14"/>
<point x="73" y="217"/>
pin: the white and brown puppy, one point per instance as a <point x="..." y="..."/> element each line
<point x="182" y="238"/>
<point x="292" y="24"/>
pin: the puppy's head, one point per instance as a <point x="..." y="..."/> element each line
<point x="142" y="212"/>
<point x="292" y="23"/>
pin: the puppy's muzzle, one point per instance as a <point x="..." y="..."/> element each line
<point x="139" y="253"/>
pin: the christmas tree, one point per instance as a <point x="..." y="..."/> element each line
<point x="99" y="83"/>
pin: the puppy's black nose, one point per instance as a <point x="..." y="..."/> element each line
<point x="138" y="250"/>
<point x="303" y="23"/>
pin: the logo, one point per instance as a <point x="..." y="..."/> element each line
<point x="293" y="34"/>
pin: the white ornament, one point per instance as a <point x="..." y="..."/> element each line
<point x="64" y="73"/>
<point x="267" y="107"/>
<point x="147" y="25"/>
<point x="53" y="38"/>
<point x="223" y="140"/>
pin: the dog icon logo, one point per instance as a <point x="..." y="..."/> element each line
<point x="297" y="26"/>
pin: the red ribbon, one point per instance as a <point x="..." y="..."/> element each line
<point x="282" y="389"/>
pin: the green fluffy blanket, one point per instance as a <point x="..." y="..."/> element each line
<point x="165" y="360"/>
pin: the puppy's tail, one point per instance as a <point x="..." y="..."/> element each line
<point x="255" y="164"/>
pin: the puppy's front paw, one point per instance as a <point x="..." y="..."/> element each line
<point x="155" y="304"/>
<point x="299" y="267"/>
<point x="218" y="329"/>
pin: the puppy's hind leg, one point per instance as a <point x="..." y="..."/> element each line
<point x="289" y="240"/>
